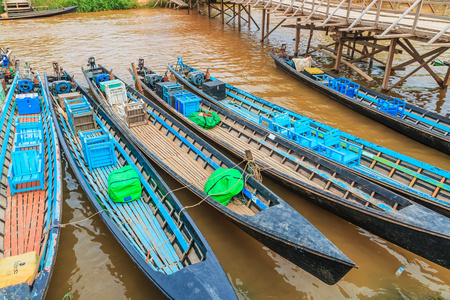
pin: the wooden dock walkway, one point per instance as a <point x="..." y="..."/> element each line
<point x="357" y="27"/>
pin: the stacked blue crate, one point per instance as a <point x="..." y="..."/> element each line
<point x="341" y="85"/>
<point x="98" y="148"/>
<point x="27" y="157"/>
<point x="186" y="103"/>
<point x="327" y="143"/>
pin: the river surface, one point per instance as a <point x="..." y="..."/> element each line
<point x="92" y="265"/>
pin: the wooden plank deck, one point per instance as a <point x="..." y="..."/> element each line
<point x="24" y="220"/>
<point x="178" y="160"/>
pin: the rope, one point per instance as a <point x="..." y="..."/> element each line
<point x="204" y="198"/>
<point x="73" y="223"/>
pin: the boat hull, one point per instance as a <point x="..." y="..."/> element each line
<point x="431" y="139"/>
<point x="41" y="14"/>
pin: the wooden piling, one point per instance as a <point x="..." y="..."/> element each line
<point x="263" y="25"/>
<point x="390" y="60"/>
<point x="249" y="16"/>
<point x="239" y="17"/>
<point x="222" y="12"/>
<point x="297" y="37"/>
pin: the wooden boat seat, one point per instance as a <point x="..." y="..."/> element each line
<point x="26" y="166"/>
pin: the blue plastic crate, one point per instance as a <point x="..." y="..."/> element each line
<point x="28" y="104"/>
<point x="98" y="148"/>
<point x="170" y="90"/>
<point x="186" y="103"/>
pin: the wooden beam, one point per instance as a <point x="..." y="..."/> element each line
<point x="394" y="36"/>
<point x="413" y="52"/>
<point x="407" y="63"/>
<point x="273" y="29"/>
<point x="390" y="60"/>
<point x="415" y="70"/>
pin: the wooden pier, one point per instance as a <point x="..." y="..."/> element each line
<point x="356" y="26"/>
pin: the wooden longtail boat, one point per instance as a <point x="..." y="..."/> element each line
<point x="347" y="195"/>
<point x="421" y="182"/>
<point x="422" y="125"/>
<point x="30" y="192"/>
<point x="190" y="160"/>
<point x="39" y="13"/>
<point x="154" y="230"/>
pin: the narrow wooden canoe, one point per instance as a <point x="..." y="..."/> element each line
<point x="349" y="196"/>
<point x="40" y="13"/>
<point x="30" y="192"/>
<point x="422" y="125"/>
<point x="421" y="182"/>
<point x="257" y="211"/>
<point x="155" y="230"/>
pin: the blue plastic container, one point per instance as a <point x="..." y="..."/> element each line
<point x="28" y="104"/>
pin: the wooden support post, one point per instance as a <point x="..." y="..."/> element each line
<point x="239" y="17"/>
<point x="446" y="79"/>
<point x="372" y="57"/>
<point x="209" y="8"/>
<point x="297" y="37"/>
<point x="249" y="12"/>
<point x="311" y="32"/>
<point x="222" y="13"/>
<point x="263" y="25"/>
<point x="340" y="47"/>
<point x="390" y="60"/>
<point x="267" y="22"/>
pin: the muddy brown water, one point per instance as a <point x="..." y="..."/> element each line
<point x="92" y="265"/>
